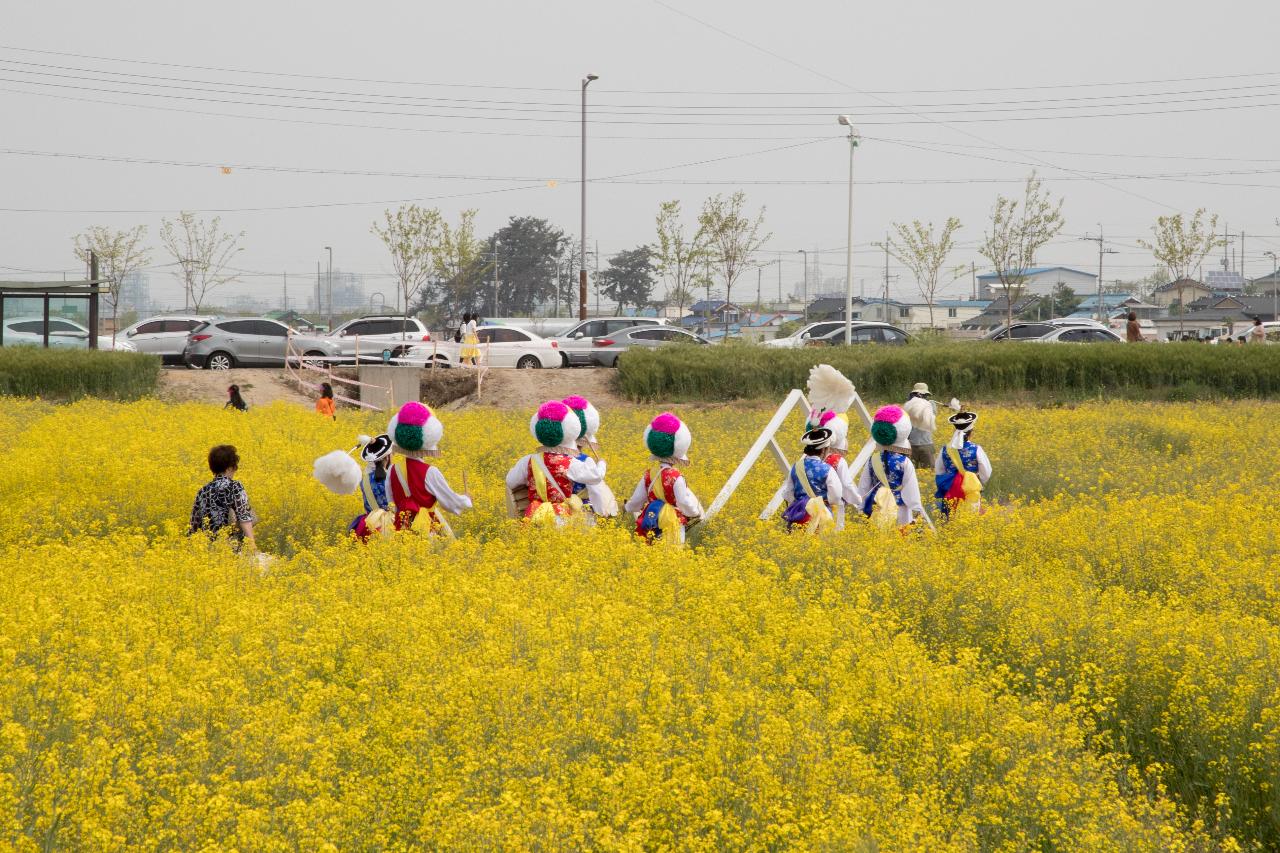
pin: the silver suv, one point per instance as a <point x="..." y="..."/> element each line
<point x="250" y="342"/>
<point x="163" y="336"/>
<point x="575" y="344"/>
<point x="371" y="335"/>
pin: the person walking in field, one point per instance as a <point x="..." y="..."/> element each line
<point x="418" y="489"/>
<point x="919" y="407"/>
<point x="888" y="483"/>
<point x="222" y="504"/>
<point x="234" y="400"/>
<point x="597" y="498"/>
<point x="550" y="473"/>
<point x="1132" y="331"/>
<point x="815" y="485"/>
<point x="326" y="405"/>
<point x="663" y="503"/>
<point x="831" y="394"/>
<point x="963" y="468"/>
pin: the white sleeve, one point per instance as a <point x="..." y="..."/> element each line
<point x="910" y="493"/>
<point x="851" y="494"/>
<point x="938" y="465"/>
<point x="686" y="501"/>
<point x="585" y="471"/>
<point x="638" y="498"/>
<point x="445" y="496"/>
<point x="519" y="474"/>
<point x="984" y="466"/>
<point x="835" y="488"/>
<point x="864" y="480"/>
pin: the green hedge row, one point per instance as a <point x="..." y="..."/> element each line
<point x="67" y="374"/>
<point x="966" y="369"/>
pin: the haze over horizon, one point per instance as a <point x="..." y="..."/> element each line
<point x="326" y="117"/>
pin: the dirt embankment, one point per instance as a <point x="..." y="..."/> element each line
<point x="527" y="389"/>
<point x="257" y="386"/>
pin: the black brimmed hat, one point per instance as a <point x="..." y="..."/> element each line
<point x="819" y="438"/>
<point x="963" y="421"/>
<point x="377" y="448"/>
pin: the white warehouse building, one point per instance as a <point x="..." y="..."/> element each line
<point x="1040" y="281"/>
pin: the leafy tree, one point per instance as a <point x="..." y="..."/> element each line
<point x="412" y="236"/>
<point x="119" y="253"/>
<point x="202" y="252"/>
<point x="461" y="264"/>
<point x="1063" y="300"/>
<point x="629" y="278"/>
<point x="1018" y="229"/>
<point x="919" y="251"/>
<point x="527" y="254"/>
<point x="1180" y="245"/>
<point x="679" y="254"/>
<point x="732" y="237"/>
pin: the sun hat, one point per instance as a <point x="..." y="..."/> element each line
<point x="667" y="437"/>
<point x="921" y="388"/>
<point x="414" y="430"/>
<point x="555" y="425"/>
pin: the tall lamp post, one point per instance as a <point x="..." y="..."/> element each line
<point x="804" y="294"/>
<point x="1275" y="294"/>
<point x="329" y="249"/>
<point x="582" y="270"/>
<point x="847" y="121"/>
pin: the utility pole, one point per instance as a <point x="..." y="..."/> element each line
<point x="973" y="278"/>
<point x="1275" y="287"/>
<point x="495" y="277"/>
<point x="848" y="249"/>
<point x="93" y="307"/>
<point x="1102" y="250"/>
<point x="329" y="249"/>
<point x="582" y="271"/>
<point x="319" y="304"/>
<point x="885" y="315"/>
<point x="804" y="294"/>
<point x="759" y="279"/>
<point x="597" y="278"/>
<point x="779" y="277"/>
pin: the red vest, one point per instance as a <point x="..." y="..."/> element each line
<point x="558" y="467"/>
<point x="408" y="504"/>
<point x="669" y="477"/>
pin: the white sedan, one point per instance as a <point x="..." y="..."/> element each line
<point x="500" y="346"/>
<point x="63" y="334"/>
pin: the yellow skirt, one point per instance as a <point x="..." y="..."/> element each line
<point x="470" y="347"/>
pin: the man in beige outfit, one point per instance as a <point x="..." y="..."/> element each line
<point x="923" y="422"/>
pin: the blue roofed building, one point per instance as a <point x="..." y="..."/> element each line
<point x="1041" y="280"/>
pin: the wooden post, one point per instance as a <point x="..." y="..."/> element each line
<point x="93" y="304"/>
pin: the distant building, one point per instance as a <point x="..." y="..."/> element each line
<point x="912" y="316"/>
<point x="1224" y="281"/>
<point x="1116" y="304"/>
<point x="996" y="313"/>
<point x="1183" y="291"/>
<point x="135" y="293"/>
<point x="706" y="315"/>
<point x="1040" y="281"/>
<point x="348" y="293"/>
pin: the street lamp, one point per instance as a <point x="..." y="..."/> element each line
<point x="329" y="249"/>
<point x="804" y="294"/>
<point x="582" y="270"/>
<point x="847" y="121"/>
<point x="1275" y="293"/>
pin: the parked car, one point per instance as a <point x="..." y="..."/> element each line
<point x="1025" y="331"/>
<point x="1079" y="335"/>
<point x="576" y="346"/>
<point x="809" y="332"/>
<point x="162" y="336"/>
<point x="606" y="349"/>
<point x="371" y="335"/>
<point x="63" y="334"/>
<point x="500" y="346"/>
<point x="250" y="342"/>
<point x="863" y="333"/>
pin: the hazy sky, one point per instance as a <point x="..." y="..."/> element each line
<point x="476" y="105"/>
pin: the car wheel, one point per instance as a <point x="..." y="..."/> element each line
<point x="564" y="359"/>
<point x="219" y="361"/>
<point x="442" y="361"/>
<point x="528" y="362"/>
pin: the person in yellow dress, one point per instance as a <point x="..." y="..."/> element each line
<point x="470" y="340"/>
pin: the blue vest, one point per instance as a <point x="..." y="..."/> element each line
<point x="377" y="489"/>
<point x="816" y="470"/>
<point x="968" y="458"/>
<point x="894" y="465"/>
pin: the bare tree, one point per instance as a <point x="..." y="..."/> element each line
<point x="919" y="251"/>
<point x="202" y="252"/>
<point x="678" y="253"/>
<point x="1019" y="227"/>
<point x="732" y="238"/>
<point x="119" y="253"/>
<point x="1181" y="245"/>
<point x="412" y="235"/>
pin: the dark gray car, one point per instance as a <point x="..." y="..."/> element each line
<point x="606" y="348"/>
<point x="864" y="333"/>
<point x="250" y="342"/>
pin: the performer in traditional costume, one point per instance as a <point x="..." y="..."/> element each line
<point x="962" y="469"/>
<point x="378" y="519"/>
<point x="550" y="472"/>
<point x="420" y="492"/>
<point x="596" y="498"/>
<point x="662" y="501"/>
<point x="814" y="485"/>
<point x="830" y="395"/>
<point x="889" y="484"/>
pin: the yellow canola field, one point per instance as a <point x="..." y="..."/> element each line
<point x="1094" y="665"/>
